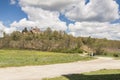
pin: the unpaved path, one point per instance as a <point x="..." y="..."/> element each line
<point x="39" y="72"/>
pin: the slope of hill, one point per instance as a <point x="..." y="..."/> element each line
<point x="58" y="41"/>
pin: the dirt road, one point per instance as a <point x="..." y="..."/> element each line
<point x="39" y="72"/>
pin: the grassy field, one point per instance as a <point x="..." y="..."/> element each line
<point x="10" y="58"/>
<point x="96" y="75"/>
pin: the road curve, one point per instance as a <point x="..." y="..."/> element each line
<point x="48" y="71"/>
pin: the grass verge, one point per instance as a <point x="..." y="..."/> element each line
<point x="9" y="58"/>
<point x="96" y="75"/>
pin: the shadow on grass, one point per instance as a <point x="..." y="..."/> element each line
<point x="93" y="77"/>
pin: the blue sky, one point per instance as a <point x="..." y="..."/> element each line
<point x="10" y="13"/>
<point x="118" y="1"/>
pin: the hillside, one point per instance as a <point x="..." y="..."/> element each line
<point x="57" y="41"/>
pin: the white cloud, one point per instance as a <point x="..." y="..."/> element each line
<point x="9" y="30"/>
<point x="5" y="29"/>
<point x="96" y="30"/>
<point x="39" y="17"/>
<point x="42" y="20"/>
<point x="47" y="5"/>
<point x="12" y="2"/>
<point x="95" y="10"/>
<point x="91" y="19"/>
<point x="24" y="23"/>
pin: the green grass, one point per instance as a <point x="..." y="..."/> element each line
<point x="10" y="58"/>
<point x="96" y="75"/>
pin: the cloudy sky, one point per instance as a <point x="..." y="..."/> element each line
<point x="95" y="18"/>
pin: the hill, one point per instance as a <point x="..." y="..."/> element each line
<point x="58" y="41"/>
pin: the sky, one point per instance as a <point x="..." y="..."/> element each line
<point x="95" y="18"/>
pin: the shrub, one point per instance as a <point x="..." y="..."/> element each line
<point x="99" y="51"/>
<point x="115" y="55"/>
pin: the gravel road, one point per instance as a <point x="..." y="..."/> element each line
<point x="48" y="71"/>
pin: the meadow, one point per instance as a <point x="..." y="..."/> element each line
<point x="95" y="75"/>
<point x="10" y="58"/>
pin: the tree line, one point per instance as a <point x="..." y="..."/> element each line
<point x="57" y="41"/>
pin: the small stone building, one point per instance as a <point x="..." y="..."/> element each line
<point x="35" y="30"/>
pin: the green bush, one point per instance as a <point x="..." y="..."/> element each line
<point x="115" y="55"/>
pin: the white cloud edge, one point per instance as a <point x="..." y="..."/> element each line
<point x="12" y="2"/>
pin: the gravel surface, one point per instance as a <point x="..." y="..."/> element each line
<point x="49" y="71"/>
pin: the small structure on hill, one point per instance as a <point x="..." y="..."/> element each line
<point x="32" y="30"/>
<point x="24" y="31"/>
<point x="35" y="30"/>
